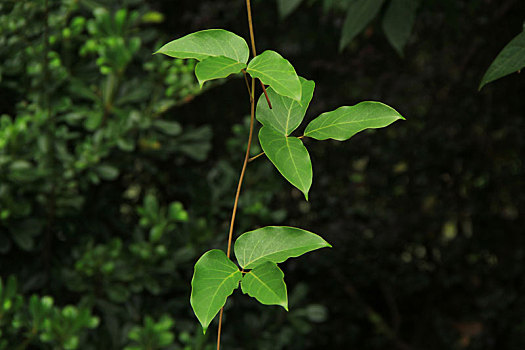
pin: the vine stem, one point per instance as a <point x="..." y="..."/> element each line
<point x="246" y="156"/>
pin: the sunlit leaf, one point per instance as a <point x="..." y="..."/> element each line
<point x="274" y="70"/>
<point x="275" y="244"/>
<point x="266" y="284"/>
<point x="214" y="279"/>
<point x="216" y="68"/>
<point x="289" y="156"/>
<point x="345" y="122"/>
<point x="398" y="22"/>
<point x="208" y="43"/>
<point x="286" y="114"/>
<point x="359" y="14"/>
<point x="511" y="59"/>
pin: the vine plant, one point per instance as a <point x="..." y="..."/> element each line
<point x="280" y="109"/>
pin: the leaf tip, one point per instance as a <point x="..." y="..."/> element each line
<point x="481" y="85"/>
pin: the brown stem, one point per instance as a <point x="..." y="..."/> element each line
<point x="255" y="157"/>
<point x="247" y="84"/>
<point x="266" y="95"/>
<point x="246" y="158"/>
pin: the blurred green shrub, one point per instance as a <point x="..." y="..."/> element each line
<point x="99" y="207"/>
<point x="85" y="129"/>
<point x="37" y="321"/>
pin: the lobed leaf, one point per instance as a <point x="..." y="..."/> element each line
<point x="286" y="114"/>
<point x="289" y="156"/>
<point x="215" y="278"/>
<point x="275" y="244"/>
<point x="274" y="70"/>
<point x="216" y="68"/>
<point x="345" y="122"/>
<point x="266" y="284"/>
<point x="398" y="22"/>
<point x="360" y="13"/>
<point x="511" y="59"/>
<point x="208" y="43"/>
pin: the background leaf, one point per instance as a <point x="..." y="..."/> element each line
<point x="398" y="22"/>
<point x="287" y="6"/>
<point x="206" y="43"/>
<point x="289" y="156"/>
<point x="509" y="60"/>
<point x="274" y="70"/>
<point x="216" y="68"/>
<point x="275" y="244"/>
<point x="266" y="284"/>
<point x="286" y="114"/>
<point x="345" y="122"/>
<point x="359" y="14"/>
<point x="214" y="279"/>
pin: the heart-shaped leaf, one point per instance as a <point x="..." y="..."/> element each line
<point x="266" y="284"/>
<point x="214" y="279"/>
<point x="345" y="122"/>
<point x="286" y="114"/>
<point x="272" y="69"/>
<point x="289" y="156"/>
<point x="208" y="43"/>
<point x="509" y="60"/>
<point x="216" y="68"/>
<point x="275" y="244"/>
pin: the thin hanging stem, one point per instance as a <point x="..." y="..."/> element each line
<point x="246" y="156"/>
<point x="241" y="178"/>
<point x="247" y="84"/>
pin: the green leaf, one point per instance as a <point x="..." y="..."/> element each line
<point x="509" y="60"/>
<point x="275" y="244"/>
<point x="287" y="6"/>
<point x="286" y="114"/>
<point x="208" y="43"/>
<point x="360" y="13"/>
<point x="398" y="22"/>
<point x="274" y="70"/>
<point x="168" y="127"/>
<point x="345" y="122"/>
<point x="214" y="279"/>
<point x="266" y="284"/>
<point x="216" y="68"/>
<point x="289" y="156"/>
<point x="107" y="172"/>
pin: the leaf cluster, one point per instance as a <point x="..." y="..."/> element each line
<point x="221" y="53"/>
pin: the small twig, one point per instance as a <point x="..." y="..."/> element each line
<point x="255" y="157"/>
<point x="266" y="95"/>
<point x="301" y="137"/>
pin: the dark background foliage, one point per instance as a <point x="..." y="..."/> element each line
<point x="117" y="173"/>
